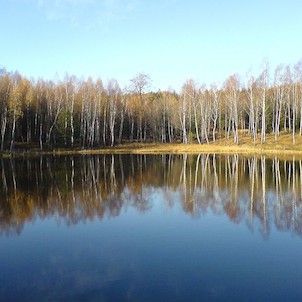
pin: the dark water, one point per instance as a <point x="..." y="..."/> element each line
<point x="150" y="228"/>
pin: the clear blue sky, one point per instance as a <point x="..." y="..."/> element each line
<point x="171" y="40"/>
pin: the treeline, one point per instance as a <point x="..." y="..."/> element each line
<point x="86" y="113"/>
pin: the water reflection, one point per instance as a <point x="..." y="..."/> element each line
<point x="256" y="191"/>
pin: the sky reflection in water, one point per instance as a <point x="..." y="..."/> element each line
<point x="150" y="228"/>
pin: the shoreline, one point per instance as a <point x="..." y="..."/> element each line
<point x="150" y="148"/>
<point x="282" y="147"/>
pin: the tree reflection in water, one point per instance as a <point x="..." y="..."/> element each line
<point x="79" y="188"/>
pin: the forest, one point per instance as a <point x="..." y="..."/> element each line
<point x="46" y="114"/>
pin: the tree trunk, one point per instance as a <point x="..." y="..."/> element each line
<point x="3" y="127"/>
<point x="13" y="132"/>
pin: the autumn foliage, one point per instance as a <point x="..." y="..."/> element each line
<point x="69" y="113"/>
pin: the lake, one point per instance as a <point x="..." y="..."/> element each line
<point x="150" y="228"/>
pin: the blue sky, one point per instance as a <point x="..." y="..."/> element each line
<point x="171" y="40"/>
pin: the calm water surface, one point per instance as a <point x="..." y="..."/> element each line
<point x="150" y="228"/>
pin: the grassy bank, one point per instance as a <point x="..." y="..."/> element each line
<point x="282" y="146"/>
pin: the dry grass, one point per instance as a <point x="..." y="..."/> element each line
<point x="282" y="147"/>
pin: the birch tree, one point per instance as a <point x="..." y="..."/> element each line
<point x="183" y="104"/>
<point x="232" y="97"/>
<point x="205" y="108"/>
<point x="114" y="92"/>
<point x="5" y="88"/>
<point x="140" y="83"/>
<point x="55" y="102"/>
<point x="298" y="90"/>
<point x="15" y="105"/>
<point x="279" y="97"/>
<point x="215" y="108"/>
<point x="71" y="89"/>
<point x="262" y="83"/>
<point x="253" y="107"/>
<point x="190" y="100"/>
